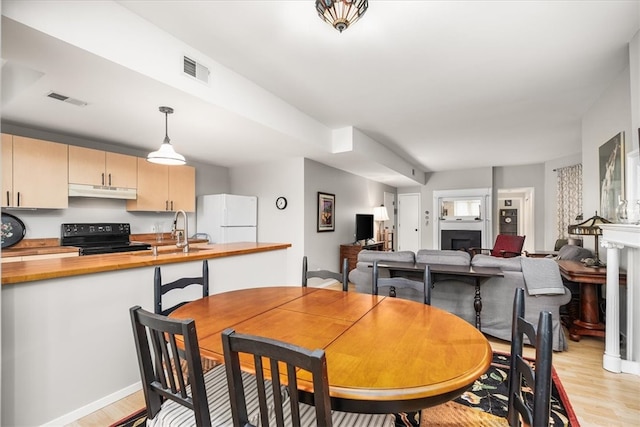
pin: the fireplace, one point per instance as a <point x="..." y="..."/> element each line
<point x="460" y="239"/>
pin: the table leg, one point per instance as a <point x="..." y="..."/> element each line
<point x="589" y="321"/>
<point x="477" y="304"/>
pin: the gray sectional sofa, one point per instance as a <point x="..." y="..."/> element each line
<point x="539" y="277"/>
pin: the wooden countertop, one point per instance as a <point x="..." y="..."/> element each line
<point x="52" y="246"/>
<point x="28" y="271"/>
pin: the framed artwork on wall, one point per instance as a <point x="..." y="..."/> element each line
<point x="611" y="163"/>
<point x="326" y="211"/>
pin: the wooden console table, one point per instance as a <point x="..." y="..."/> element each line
<point x="350" y="251"/>
<point x="588" y="278"/>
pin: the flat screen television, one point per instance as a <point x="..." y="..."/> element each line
<point x="364" y="226"/>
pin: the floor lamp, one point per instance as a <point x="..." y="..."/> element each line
<point x="380" y="214"/>
<point x="590" y="227"/>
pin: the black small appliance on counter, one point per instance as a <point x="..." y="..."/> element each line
<point x="100" y="238"/>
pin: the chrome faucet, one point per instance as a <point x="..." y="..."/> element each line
<point x="182" y="239"/>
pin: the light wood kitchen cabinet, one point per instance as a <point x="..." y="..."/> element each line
<point x="164" y="188"/>
<point x="97" y="167"/>
<point x="34" y="173"/>
<point x="7" y="169"/>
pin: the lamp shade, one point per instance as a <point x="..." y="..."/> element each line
<point x="341" y="13"/>
<point x="166" y="155"/>
<point x="589" y="227"/>
<point x="380" y="213"/>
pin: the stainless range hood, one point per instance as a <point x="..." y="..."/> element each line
<point x="101" y="191"/>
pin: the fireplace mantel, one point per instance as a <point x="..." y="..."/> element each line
<point x="615" y="237"/>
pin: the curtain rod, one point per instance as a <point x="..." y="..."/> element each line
<point x="555" y="170"/>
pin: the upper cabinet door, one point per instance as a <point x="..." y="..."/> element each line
<point x="7" y="170"/>
<point x="86" y="166"/>
<point x="121" y="170"/>
<point x="40" y="174"/>
<point x="152" y="188"/>
<point x="182" y="188"/>
<point x="164" y="188"/>
<point x="97" y="167"/>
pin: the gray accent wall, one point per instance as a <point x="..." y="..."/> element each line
<point x="354" y="195"/>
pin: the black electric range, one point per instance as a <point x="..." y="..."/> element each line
<point x="100" y="238"/>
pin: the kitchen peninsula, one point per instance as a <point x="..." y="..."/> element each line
<point x="28" y="271"/>
<point x="67" y="345"/>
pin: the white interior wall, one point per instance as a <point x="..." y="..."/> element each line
<point x="608" y="116"/>
<point x="269" y="181"/>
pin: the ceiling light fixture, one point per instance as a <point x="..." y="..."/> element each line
<point x="341" y="13"/>
<point x="166" y="155"/>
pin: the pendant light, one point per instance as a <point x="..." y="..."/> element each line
<point x="166" y="155"/>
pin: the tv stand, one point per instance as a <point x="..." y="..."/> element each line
<point x="350" y="252"/>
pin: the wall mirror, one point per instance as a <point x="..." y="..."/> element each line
<point x="460" y="209"/>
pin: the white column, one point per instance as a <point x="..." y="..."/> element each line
<point x="616" y="237"/>
<point x="611" y="360"/>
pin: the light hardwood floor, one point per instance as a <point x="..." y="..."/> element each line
<point x="598" y="397"/>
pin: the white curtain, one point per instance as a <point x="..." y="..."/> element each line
<point x="569" y="197"/>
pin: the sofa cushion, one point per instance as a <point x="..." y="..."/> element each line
<point x="370" y="256"/>
<point x="573" y="252"/>
<point x="504" y="264"/>
<point x="434" y="256"/>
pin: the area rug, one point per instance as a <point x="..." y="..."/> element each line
<point x="488" y="395"/>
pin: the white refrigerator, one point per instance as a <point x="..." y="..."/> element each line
<point x="227" y="218"/>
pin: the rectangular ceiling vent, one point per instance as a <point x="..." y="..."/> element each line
<point x="64" y="98"/>
<point x="196" y="70"/>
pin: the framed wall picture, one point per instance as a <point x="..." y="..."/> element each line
<point x="326" y="211"/>
<point x="611" y="163"/>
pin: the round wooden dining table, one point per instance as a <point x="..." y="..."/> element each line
<point x="384" y="355"/>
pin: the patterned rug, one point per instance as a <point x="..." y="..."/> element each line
<point x="488" y="395"/>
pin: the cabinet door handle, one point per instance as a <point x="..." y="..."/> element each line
<point x="8" y="198"/>
<point x="172" y="205"/>
<point x="166" y="205"/>
<point x="109" y="180"/>
<point x="102" y="178"/>
<point x="18" y="199"/>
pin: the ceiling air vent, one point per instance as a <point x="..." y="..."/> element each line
<point x="67" y="99"/>
<point x="196" y="70"/>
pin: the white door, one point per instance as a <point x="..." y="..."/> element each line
<point x="409" y="222"/>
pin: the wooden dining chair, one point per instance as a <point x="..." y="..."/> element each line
<point x="326" y="274"/>
<point x="394" y="283"/>
<point x="536" y="377"/>
<point x="160" y="289"/>
<point x="175" y="395"/>
<point x="282" y="360"/>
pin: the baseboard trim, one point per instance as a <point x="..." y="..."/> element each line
<point x="94" y="406"/>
